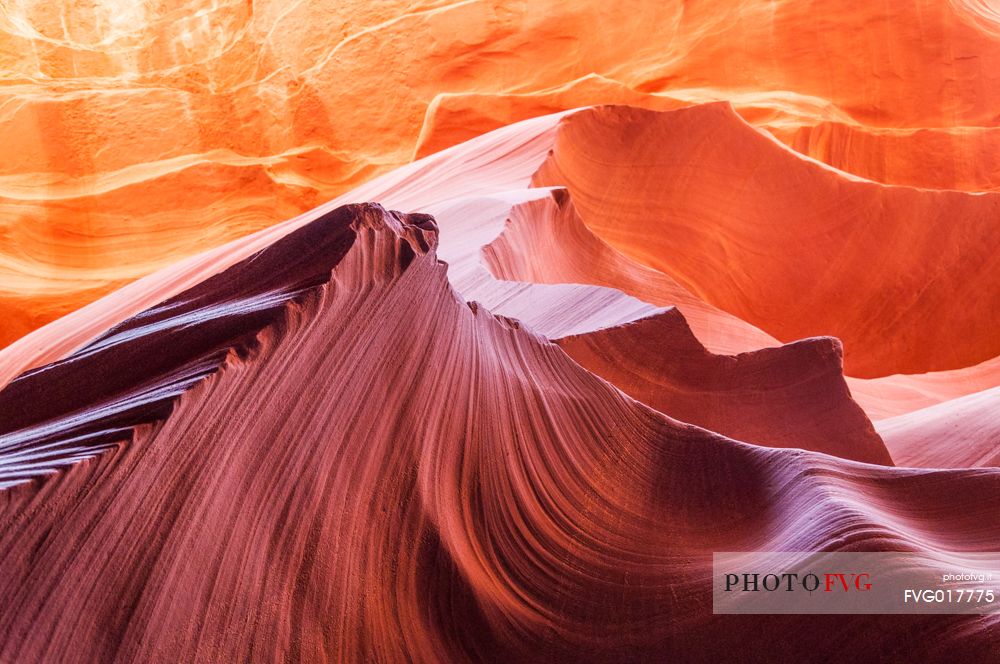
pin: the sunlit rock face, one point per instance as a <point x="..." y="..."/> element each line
<point x="137" y="133"/>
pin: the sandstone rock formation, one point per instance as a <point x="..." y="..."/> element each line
<point x="464" y="331"/>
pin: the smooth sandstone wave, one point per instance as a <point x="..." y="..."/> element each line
<point x="712" y="277"/>
<point x="471" y="189"/>
<point x="522" y="507"/>
<point x="481" y="179"/>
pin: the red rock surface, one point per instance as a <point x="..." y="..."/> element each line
<point x="269" y="472"/>
<point x="357" y="332"/>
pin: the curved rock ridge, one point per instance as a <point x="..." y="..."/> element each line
<point x="471" y="188"/>
<point x="499" y="162"/>
<point x="319" y="495"/>
<point x="900" y="275"/>
<point x="790" y="396"/>
<point x="132" y="374"/>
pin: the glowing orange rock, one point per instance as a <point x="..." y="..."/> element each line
<point x="903" y="276"/>
<point x="283" y="106"/>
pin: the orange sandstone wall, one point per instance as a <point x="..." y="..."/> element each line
<point x="137" y="133"/>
